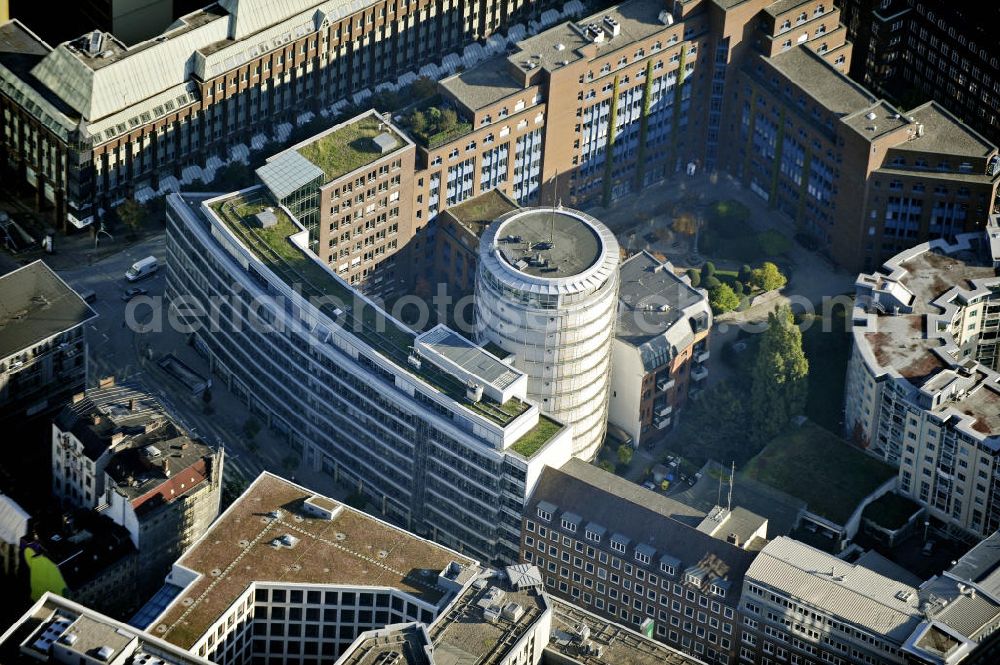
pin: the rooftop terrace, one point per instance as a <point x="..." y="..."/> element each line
<point x="351" y="549"/>
<point x="351" y="145"/>
<point x="301" y="269"/>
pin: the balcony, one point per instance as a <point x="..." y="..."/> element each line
<point x="661" y="423"/>
<point x="665" y="410"/>
<point x="699" y="373"/>
<point x="664" y="383"/>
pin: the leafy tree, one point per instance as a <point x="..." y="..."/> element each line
<point x="737" y="287"/>
<point x="768" y="277"/>
<point x="779" y="384"/>
<point x="449" y="120"/>
<point x="711" y="282"/>
<point x="694" y="276"/>
<point x="707" y="270"/>
<point x="723" y="299"/>
<point x="132" y="215"/>
<point x="625" y="454"/>
<point x="607" y="465"/>
<point x="746" y="274"/>
<point x="714" y="426"/>
<point x="418" y="122"/>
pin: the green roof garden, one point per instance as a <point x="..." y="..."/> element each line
<point x="535" y="438"/>
<point x="369" y="323"/>
<point x="818" y="467"/>
<point x="432" y="122"/>
<point x="479" y="212"/>
<point x="349" y="147"/>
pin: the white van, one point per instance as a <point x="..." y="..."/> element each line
<point x="142" y="268"/>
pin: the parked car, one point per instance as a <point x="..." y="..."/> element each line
<point x="134" y="292"/>
<point x="928" y="548"/>
<point x="649" y="485"/>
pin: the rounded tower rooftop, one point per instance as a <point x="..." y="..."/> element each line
<point x="547" y="292"/>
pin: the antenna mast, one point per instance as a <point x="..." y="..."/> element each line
<point x="732" y="477"/>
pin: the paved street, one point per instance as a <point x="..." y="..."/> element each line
<point x="116" y="349"/>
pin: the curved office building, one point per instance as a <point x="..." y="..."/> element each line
<point x="433" y="430"/>
<point x="546" y="292"/>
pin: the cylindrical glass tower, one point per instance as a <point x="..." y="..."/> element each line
<point x="547" y="292"/>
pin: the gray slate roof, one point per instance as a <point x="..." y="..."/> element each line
<point x="644" y="518"/>
<point x="36" y="304"/>
<point x="654" y="301"/>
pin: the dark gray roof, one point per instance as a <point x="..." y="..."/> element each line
<point x="658" y="524"/>
<point x="36" y="304"/>
<point x="114" y="406"/>
<point x="652" y="299"/>
<point x="20" y="51"/>
<point x="572" y="244"/>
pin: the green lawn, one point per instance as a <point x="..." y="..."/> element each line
<point x="891" y="511"/>
<point x="536" y="437"/>
<point x="818" y="467"/>
<point x="828" y="353"/>
<point x="347" y="148"/>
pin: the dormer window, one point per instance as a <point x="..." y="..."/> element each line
<point x="544" y="516"/>
<point x="568" y="525"/>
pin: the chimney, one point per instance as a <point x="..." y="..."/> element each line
<point x="133" y="404"/>
<point x="106" y="382"/>
<point x="733" y="539"/>
<point x="166" y="468"/>
<point x="117" y="437"/>
<point x="77" y="398"/>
